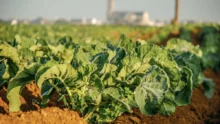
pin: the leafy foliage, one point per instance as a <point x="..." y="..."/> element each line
<point x="190" y="57"/>
<point x="17" y="83"/>
<point x="9" y="62"/>
<point x="102" y="81"/>
<point x="210" y="46"/>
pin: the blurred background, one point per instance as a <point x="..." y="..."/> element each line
<point x="136" y="12"/>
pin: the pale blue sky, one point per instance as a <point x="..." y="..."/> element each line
<point x="206" y="10"/>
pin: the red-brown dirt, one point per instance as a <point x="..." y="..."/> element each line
<point x="52" y="115"/>
<point x="173" y="34"/>
<point x="32" y="114"/>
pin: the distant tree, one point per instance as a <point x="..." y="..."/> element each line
<point x="175" y="21"/>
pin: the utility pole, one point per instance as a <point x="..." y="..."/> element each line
<point x="175" y="21"/>
<point x="111" y="6"/>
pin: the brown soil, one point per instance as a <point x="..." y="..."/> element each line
<point x="52" y="115"/>
<point x="147" y="35"/>
<point x="135" y="35"/>
<point x="194" y="36"/>
<point x="32" y="114"/>
<point x="173" y="34"/>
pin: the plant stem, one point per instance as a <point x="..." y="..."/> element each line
<point x="89" y="114"/>
<point x="69" y="93"/>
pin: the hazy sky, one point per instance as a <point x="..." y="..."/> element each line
<point x="207" y="10"/>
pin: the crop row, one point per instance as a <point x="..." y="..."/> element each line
<point x="103" y="80"/>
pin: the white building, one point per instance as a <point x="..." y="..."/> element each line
<point x="14" y="22"/>
<point x="126" y="17"/>
<point x="87" y="21"/>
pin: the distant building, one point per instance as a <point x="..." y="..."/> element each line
<point x="93" y="21"/>
<point x="89" y="21"/>
<point x="126" y="17"/>
<point x="39" y="20"/>
<point x="25" y="21"/>
<point x="14" y="22"/>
